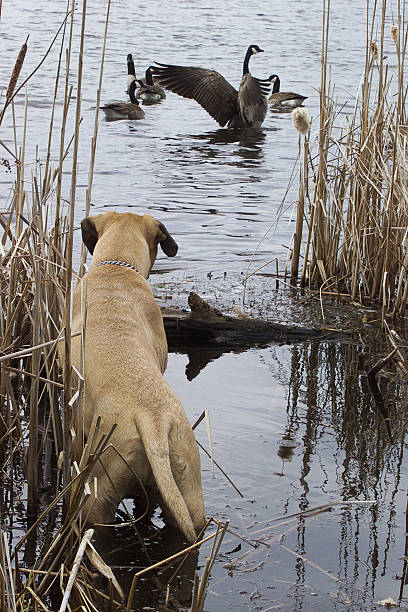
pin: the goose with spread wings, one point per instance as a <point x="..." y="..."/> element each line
<point x="243" y="108"/>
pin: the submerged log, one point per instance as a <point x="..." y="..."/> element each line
<point x="207" y="327"/>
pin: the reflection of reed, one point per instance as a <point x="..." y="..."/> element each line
<point x="327" y="397"/>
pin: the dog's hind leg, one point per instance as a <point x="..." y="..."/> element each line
<point x="159" y="459"/>
<point x="109" y="483"/>
<point x="187" y="475"/>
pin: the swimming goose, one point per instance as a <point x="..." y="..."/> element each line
<point x="132" y="74"/>
<point x="125" y="110"/>
<point x="283" y="98"/>
<point x="150" y="92"/>
<point x="243" y="108"/>
<point x="131" y="71"/>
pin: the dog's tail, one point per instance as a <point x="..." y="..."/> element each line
<point x="159" y="459"/>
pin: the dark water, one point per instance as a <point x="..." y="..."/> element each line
<point x="294" y="427"/>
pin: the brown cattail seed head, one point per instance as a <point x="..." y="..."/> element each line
<point x="394" y="33"/>
<point x="16" y="71"/>
<point x="374" y="49"/>
<point x="301" y="120"/>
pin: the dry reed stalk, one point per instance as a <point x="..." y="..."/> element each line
<point x="301" y="122"/>
<point x="318" y="226"/>
<point x="8" y="591"/>
<point x="32" y="471"/>
<point x="68" y="255"/>
<point x="77" y="562"/>
<point x="356" y="225"/>
<point x="199" y="592"/>
<point x="94" y="139"/>
<point x="47" y="179"/>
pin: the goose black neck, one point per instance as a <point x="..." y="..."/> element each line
<point x="246" y="61"/>
<point x="276" y="85"/>
<point x="132" y="90"/>
<point x="131" y="67"/>
<point x="149" y="78"/>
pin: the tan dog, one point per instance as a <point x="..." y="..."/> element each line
<point x="125" y="356"/>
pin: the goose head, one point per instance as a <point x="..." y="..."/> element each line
<point x="255" y="49"/>
<point x="252" y="49"/>
<point x="131" y="71"/>
<point x="130" y="64"/>
<point x="149" y="75"/>
<point x="276" y="82"/>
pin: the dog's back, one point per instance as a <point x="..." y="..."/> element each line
<point x="125" y="355"/>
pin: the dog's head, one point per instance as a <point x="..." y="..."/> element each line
<point x="127" y="237"/>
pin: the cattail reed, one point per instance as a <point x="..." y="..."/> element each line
<point x="16" y="71"/>
<point x="301" y="120"/>
<point x="374" y="50"/>
<point x="14" y="77"/>
<point x="394" y="33"/>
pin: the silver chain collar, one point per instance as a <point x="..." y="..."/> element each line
<point x="117" y="263"/>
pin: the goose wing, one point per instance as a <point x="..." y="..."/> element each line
<point x="251" y="99"/>
<point x="207" y="87"/>
<point x="118" y="107"/>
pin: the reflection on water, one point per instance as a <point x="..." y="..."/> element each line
<point x="250" y="137"/>
<point x="297" y="434"/>
<point x="122" y="550"/>
<point x="247" y="151"/>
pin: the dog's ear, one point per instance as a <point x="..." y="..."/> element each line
<point x="89" y="234"/>
<point x="167" y="243"/>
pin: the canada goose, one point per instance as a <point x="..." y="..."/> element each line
<point x="125" y="110"/>
<point x="244" y="108"/>
<point x="132" y="74"/>
<point x="150" y="92"/>
<point x="283" y="98"/>
<point x="131" y="71"/>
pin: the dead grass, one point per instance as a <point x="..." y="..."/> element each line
<point x="353" y="184"/>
